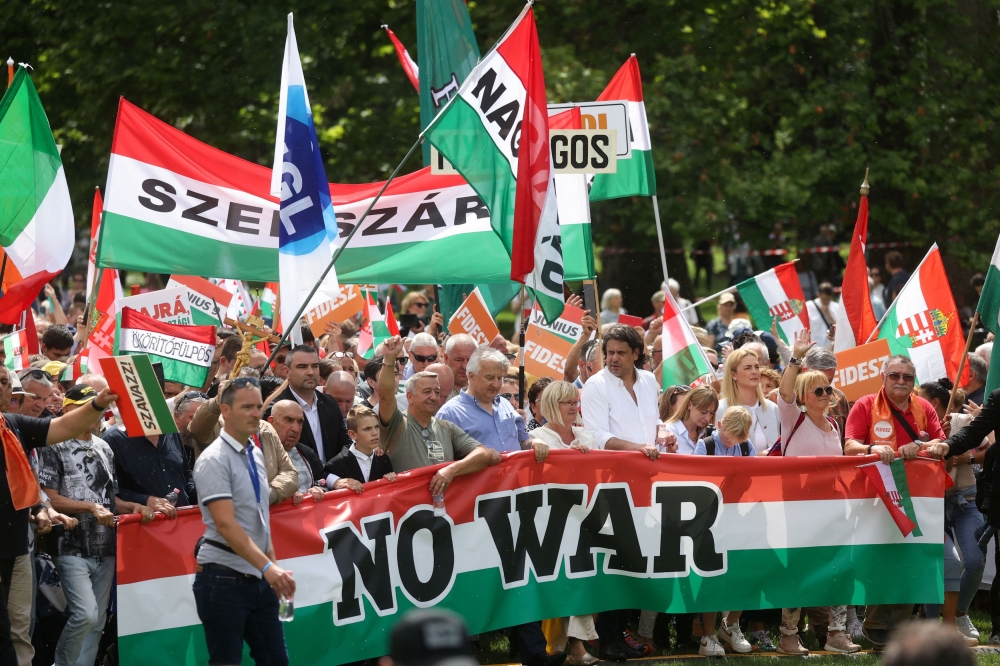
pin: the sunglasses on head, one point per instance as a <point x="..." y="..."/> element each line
<point x="424" y="359"/>
<point x="241" y="383"/>
<point x="896" y="376"/>
<point x="35" y="373"/>
<point x="191" y="395"/>
<point x="340" y="354"/>
<point x="820" y="391"/>
<point x="681" y="388"/>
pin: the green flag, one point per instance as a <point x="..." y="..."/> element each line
<point x="989" y="312"/>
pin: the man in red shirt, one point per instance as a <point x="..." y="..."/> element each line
<point x="890" y="422"/>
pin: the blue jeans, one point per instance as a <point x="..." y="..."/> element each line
<point x="964" y="521"/>
<point x="234" y="607"/>
<point x="86" y="582"/>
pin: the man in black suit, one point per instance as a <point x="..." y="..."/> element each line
<point x="359" y="464"/>
<point x="324" y="430"/>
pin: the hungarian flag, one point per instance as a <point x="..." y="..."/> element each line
<point x="684" y="361"/>
<point x="209" y="302"/>
<point x="95" y="229"/>
<point x="409" y="66"/>
<point x="856" y="319"/>
<point x="777" y="293"/>
<point x="495" y="132"/>
<point x="265" y="304"/>
<point x="989" y="312"/>
<point x="892" y="486"/>
<point x="635" y="176"/>
<point x="143" y="409"/>
<point x="377" y="327"/>
<point x="307" y="235"/>
<point x="78" y="368"/>
<point x="176" y="205"/>
<point x="923" y="323"/>
<point x="574" y="210"/>
<point x="16" y="352"/>
<point x="36" y="217"/>
<point x="185" y="351"/>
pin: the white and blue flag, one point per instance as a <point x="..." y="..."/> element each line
<point x="308" y="233"/>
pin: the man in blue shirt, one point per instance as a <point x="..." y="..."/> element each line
<point x="492" y="421"/>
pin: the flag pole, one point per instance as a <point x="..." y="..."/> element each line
<point x="289" y="326"/>
<point x="720" y="293"/>
<point x="10" y="71"/>
<point x="961" y="364"/>
<point x="520" y="355"/>
<point x="659" y="237"/>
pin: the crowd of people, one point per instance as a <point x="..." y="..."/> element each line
<point x="322" y="418"/>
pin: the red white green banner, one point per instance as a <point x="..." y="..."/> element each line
<point x="184" y="351"/>
<point x="143" y="408"/>
<point x="777" y="293"/>
<point x="687" y="534"/>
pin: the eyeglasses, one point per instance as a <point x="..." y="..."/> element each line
<point x="240" y="383"/>
<point x="424" y="359"/>
<point x="896" y="376"/>
<point x="339" y="354"/>
<point x="191" y="395"/>
<point x="680" y="388"/>
<point x="511" y="357"/>
<point x="35" y="373"/>
<point x="401" y="360"/>
<point x="508" y="396"/>
<point x="570" y="403"/>
<point x="820" y="391"/>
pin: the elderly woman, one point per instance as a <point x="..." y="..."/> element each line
<point x="803" y="402"/>
<point x="741" y="386"/>
<point x="560" y="407"/>
<point x="611" y="306"/>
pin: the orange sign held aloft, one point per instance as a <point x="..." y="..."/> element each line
<point x="347" y="304"/>
<point x="474" y="318"/>
<point x="859" y="370"/>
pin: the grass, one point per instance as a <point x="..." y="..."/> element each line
<point x="495" y="648"/>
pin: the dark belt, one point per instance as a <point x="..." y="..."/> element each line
<point x="221" y="568"/>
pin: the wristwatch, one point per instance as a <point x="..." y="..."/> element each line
<point x="972" y="458"/>
<point x="794" y="361"/>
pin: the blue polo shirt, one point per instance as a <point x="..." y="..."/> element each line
<point x="503" y="430"/>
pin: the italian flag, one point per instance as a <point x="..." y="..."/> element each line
<point x="36" y="217"/>
<point x="989" y="312"/>
<point x="185" y="351"/>
<point x="495" y="132"/>
<point x="377" y="327"/>
<point x="777" y="293"/>
<point x="635" y="176"/>
<point x="143" y="409"/>
<point x="684" y="361"/>
<point x="16" y="352"/>
<point x="923" y="323"/>
<point x="894" y="490"/>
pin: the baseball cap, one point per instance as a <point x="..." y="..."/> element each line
<point x="727" y="298"/>
<point x="54" y="368"/>
<point x="79" y="394"/>
<point x="431" y="637"/>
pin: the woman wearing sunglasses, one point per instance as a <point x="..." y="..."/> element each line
<point x="807" y="430"/>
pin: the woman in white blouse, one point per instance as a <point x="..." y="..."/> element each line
<point x="560" y="407"/>
<point x="741" y="386"/>
<point x="694" y="413"/>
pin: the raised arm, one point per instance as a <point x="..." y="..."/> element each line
<point x="391" y="349"/>
<point x="79" y="421"/>
<point x="572" y="370"/>
<point x="800" y="346"/>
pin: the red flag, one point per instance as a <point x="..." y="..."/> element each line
<point x="856" y="319"/>
<point x="409" y="66"/>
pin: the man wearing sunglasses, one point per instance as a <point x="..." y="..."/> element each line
<point x="423" y="352"/>
<point x="890" y="422"/>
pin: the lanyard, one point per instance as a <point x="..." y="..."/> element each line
<point x="252" y="469"/>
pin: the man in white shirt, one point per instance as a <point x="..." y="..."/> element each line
<point x="823" y="316"/>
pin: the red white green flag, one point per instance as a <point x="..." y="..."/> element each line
<point x="777" y="293"/>
<point x="495" y="132"/>
<point x="684" y="361"/>
<point x="923" y="323"/>
<point x="185" y="351"/>
<point x="15" y="348"/>
<point x="377" y="327"/>
<point x="78" y="368"/>
<point x="143" y="408"/>
<point x="894" y="490"/>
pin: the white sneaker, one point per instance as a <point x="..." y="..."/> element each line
<point x="734" y="637"/>
<point x="855" y="629"/>
<point x="710" y="647"/>
<point x="964" y="625"/>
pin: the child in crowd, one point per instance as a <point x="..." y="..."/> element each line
<point x="731" y="438"/>
<point x="359" y="463"/>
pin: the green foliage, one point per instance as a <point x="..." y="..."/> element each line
<point x="760" y="110"/>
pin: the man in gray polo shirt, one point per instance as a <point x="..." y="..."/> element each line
<point x="237" y="589"/>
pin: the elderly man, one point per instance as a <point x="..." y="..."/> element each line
<point x="416" y="438"/>
<point x="825" y="361"/>
<point x="892" y="421"/>
<point x="324" y="431"/>
<point x="185" y="407"/>
<point x="287" y="419"/>
<point x="975" y="389"/>
<point x="482" y="413"/>
<point x="446" y="378"/>
<point x="37" y="387"/>
<point x="619" y="405"/>
<point x="423" y="351"/>
<point x="341" y="386"/>
<point x="457" y="351"/>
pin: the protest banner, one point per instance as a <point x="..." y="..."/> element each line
<point x="688" y="534"/>
<point x="546" y="346"/>
<point x="473" y="318"/>
<point x="209" y="302"/>
<point x="859" y="369"/>
<point x="348" y="303"/>
<point x="171" y="306"/>
<point x="143" y="408"/>
<point x="185" y="352"/>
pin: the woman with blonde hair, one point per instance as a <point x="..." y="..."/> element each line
<point x="741" y="386"/>
<point x="803" y="402"/>
<point x="693" y="414"/>
<point x="560" y="407"/>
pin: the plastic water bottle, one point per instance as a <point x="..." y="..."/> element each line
<point x="661" y="437"/>
<point x="286" y="609"/>
<point x="173" y="495"/>
<point x="438" y="501"/>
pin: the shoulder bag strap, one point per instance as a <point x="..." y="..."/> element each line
<point x="902" y="421"/>
<point x="798" y="422"/>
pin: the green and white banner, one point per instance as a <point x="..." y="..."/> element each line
<point x="580" y="533"/>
